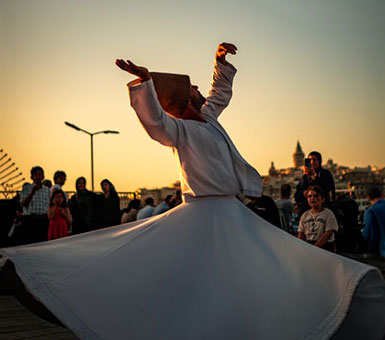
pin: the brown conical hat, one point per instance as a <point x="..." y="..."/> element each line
<point x="173" y="91"/>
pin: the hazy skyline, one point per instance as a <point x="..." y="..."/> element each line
<point x="311" y="71"/>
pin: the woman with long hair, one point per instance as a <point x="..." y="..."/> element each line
<point x="108" y="205"/>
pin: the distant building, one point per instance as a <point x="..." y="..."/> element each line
<point x="353" y="181"/>
<point x="298" y="156"/>
<point x="158" y="194"/>
<point x="272" y="171"/>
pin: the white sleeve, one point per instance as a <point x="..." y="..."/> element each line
<point x="158" y="124"/>
<point x="221" y="90"/>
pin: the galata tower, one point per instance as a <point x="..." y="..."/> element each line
<point x="298" y="156"/>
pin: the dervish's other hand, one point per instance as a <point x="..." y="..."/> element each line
<point x="222" y="51"/>
<point x="139" y="71"/>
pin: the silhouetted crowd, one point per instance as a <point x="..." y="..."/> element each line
<point x="45" y="212"/>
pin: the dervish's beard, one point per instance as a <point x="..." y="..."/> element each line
<point x="197" y="103"/>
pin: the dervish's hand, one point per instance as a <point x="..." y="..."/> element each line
<point x="139" y="71"/>
<point x="222" y="51"/>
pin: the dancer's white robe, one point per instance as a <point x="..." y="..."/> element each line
<point x="208" y="269"/>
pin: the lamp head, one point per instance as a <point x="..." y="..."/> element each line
<point x="72" y="125"/>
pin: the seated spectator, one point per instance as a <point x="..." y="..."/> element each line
<point x="11" y="213"/>
<point x="59" y="179"/>
<point x="108" y="205"/>
<point x="176" y="199"/>
<point x="266" y="208"/>
<point x="349" y="238"/>
<point x="34" y="199"/>
<point x="295" y="217"/>
<point x="131" y="212"/>
<point x="147" y="210"/>
<point x="285" y="206"/>
<point x="315" y="174"/>
<point x="318" y="225"/>
<point x="374" y="220"/>
<point x="82" y="206"/>
<point x="163" y="207"/>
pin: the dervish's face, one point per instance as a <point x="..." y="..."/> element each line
<point x="193" y="109"/>
<point x="196" y="98"/>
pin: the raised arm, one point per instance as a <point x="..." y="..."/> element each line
<point x="159" y="125"/>
<point x="222" y="82"/>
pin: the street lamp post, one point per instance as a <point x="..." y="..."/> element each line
<point x="91" y="134"/>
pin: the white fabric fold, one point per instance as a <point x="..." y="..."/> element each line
<point x="208" y="269"/>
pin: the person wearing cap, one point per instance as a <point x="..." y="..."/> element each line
<point x="209" y="268"/>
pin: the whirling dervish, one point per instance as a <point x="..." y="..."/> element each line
<point x="209" y="268"/>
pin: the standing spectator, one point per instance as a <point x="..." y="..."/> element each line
<point x="59" y="216"/>
<point x="266" y="208"/>
<point x="35" y="201"/>
<point x="284" y="204"/>
<point x="82" y="207"/>
<point x="47" y="183"/>
<point x="162" y="207"/>
<point x="374" y="220"/>
<point x="147" y="210"/>
<point x="131" y="212"/>
<point x="108" y="205"/>
<point x="318" y="225"/>
<point x="59" y="179"/>
<point x="315" y="174"/>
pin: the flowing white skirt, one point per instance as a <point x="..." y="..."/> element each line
<point x="208" y="269"/>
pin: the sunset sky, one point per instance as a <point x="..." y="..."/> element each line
<point x="311" y="71"/>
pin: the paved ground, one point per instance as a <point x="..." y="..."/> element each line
<point x="17" y="322"/>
